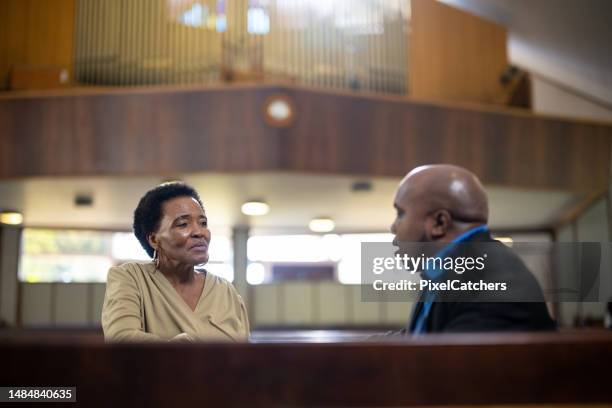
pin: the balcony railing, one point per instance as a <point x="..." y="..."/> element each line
<point x="342" y="44"/>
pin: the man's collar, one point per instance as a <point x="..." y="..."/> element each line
<point x="466" y="236"/>
<point x="470" y="233"/>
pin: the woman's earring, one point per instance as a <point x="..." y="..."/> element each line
<point x="155" y="258"/>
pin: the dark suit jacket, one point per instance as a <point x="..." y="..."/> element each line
<point x="472" y="315"/>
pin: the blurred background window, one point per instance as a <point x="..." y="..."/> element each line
<point x="65" y="255"/>
<point x="307" y="257"/>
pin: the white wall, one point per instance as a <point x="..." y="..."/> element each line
<point x="591" y="226"/>
<point x="565" y="40"/>
<point x="324" y="304"/>
<point x="548" y="98"/>
<point x="9" y="260"/>
<point x="61" y="304"/>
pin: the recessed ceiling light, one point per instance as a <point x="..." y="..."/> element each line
<point x="255" y="207"/>
<point x="321" y="224"/>
<point x="83" y="200"/>
<point x="361" y="185"/>
<point x="11" y="218"/>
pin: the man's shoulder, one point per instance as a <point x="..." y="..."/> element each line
<point x="492" y="316"/>
<point x="497" y="254"/>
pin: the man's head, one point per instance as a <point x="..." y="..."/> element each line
<point x="436" y="203"/>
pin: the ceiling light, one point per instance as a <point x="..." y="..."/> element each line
<point x="279" y="110"/>
<point x="255" y="207"/>
<point x="83" y="200"/>
<point x="321" y="224"/>
<point x="11" y="218"/>
<point x="361" y="185"/>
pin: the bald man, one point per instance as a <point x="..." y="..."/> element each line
<point x="447" y="205"/>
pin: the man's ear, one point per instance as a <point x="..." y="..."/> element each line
<point x="152" y="238"/>
<point x="438" y="224"/>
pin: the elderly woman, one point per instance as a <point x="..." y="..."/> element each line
<point x="167" y="299"/>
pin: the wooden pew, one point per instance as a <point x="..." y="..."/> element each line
<point x="443" y="370"/>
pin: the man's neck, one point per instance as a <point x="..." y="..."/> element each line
<point x="459" y="229"/>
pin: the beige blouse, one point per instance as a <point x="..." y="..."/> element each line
<point x="140" y="304"/>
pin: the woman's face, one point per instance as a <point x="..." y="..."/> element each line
<point x="183" y="235"/>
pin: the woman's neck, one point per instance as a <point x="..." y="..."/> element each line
<point x="178" y="274"/>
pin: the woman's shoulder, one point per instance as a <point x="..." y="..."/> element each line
<point x="131" y="269"/>
<point x="218" y="281"/>
<point x="221" y="285"/>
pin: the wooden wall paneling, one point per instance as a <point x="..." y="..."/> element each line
<point x="36" y="34"/>
<point x="13" y="36"/>
<point x="138" y="133"/>
<point x="454" y="55"/>
<point x="13" y="14"/>
<point x="338" y="133"/>
<point x="50" y="33"/>
<point x="170" y="131"/>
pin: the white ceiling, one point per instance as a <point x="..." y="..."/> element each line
<point x="294" y="199"/>
<point x="564" y="40"/>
